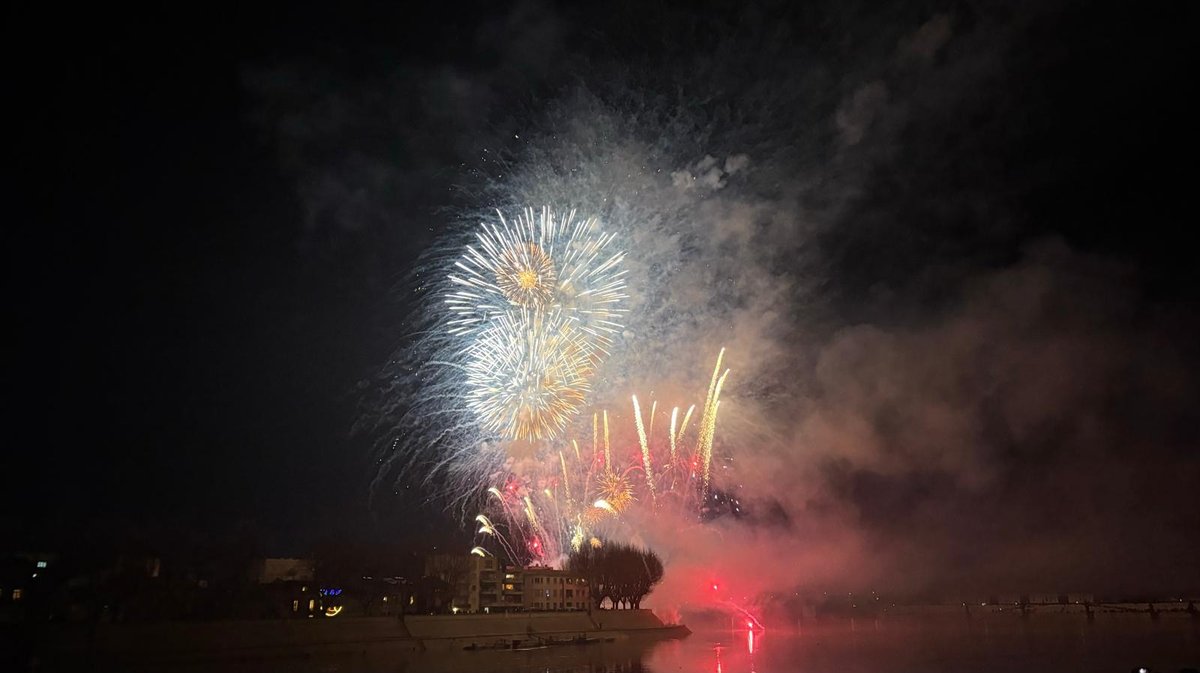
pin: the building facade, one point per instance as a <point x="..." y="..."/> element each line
<point x="550" y="589"/>
<point x="495" y="587"/>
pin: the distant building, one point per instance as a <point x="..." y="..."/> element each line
<point x="1041" y="598"/>
<point x="268" y="570"/>
<point x="493" y="587"/>
<point x="550" y="589"/>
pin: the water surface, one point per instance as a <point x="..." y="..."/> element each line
<point x="896" y="645"/>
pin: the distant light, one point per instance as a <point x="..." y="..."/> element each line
<point x="41" y="564"/>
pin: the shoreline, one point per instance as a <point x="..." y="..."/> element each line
<point x="191" y="642"/>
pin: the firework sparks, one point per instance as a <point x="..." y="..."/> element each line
<point x="537" y="302"/>
<point x="485" y="525"/>
<point x="541" y="260"/>
<point x="614" y="490"/>
<point x="653" y="413"/>
<point x="708" y="422"/>
<point x="566" y="479"/>
<point x="645" y="444"/>
<point x="607" y="451"/>
<point x="687" y="416"/>
<point x="674" y="417"/>
<point x="546" y="507"/>
<point x="528" y="374"/>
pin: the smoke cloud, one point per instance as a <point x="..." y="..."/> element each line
<point x="931" y="389"/>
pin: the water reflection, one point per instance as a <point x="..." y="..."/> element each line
<point x="882" y="646"/>
<point x="895" y="646"/>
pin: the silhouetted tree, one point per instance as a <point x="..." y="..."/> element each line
<point x="621" y="573"/>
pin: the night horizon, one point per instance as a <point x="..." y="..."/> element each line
<point x="294" y="281"/>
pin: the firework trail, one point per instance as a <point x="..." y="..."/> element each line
<point x="641" y="430"/>
<point x="708" y="423"/>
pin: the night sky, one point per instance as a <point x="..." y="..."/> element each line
<point x="219" y="210"/>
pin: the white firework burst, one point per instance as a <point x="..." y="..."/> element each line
<point x="541" y="261"/>
<point x="528" y="373"/>
<point x="537" y="302"/>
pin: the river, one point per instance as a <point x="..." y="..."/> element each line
<point x="895" y="645"/>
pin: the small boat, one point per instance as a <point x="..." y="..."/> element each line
<point x="537" y="644"/>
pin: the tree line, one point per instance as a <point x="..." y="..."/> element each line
<point x="621" y="573"/>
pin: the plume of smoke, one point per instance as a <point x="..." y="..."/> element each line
<point x="882" y="438"/>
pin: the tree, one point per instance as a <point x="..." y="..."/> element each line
<point x="621" y="573"/>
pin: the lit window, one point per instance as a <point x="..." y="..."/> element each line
<point x="16" y="594"/>
<point x="41" y="564"/>
<point x="312" y="603"/>
<point x="295" y="606"/>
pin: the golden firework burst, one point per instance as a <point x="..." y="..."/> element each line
<point x="615" y="490"/>
<point x="536" y="302"/>
<point x="526" y="275"/>
<point x="528" y="375"/>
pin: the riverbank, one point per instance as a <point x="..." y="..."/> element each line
<point x="192" y="642"/>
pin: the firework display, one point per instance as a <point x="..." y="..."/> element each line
<point x="567" y="498"/>
<point x="528" y="374"/>
<point x="537" y="302"/>
<point x="530" y="310"/>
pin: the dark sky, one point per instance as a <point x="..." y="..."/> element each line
<point x="215" y="205"/>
